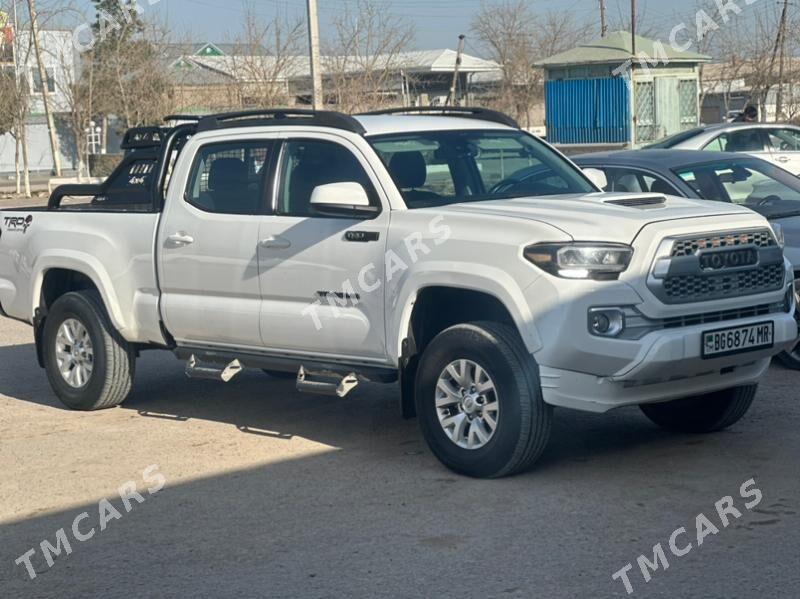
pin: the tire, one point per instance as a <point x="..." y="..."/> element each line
<point x="790" y="359"/>
<point x="113" y="360"/>
<point x="281" y="374"/>
<point x="522" y="419"/>
<point x="703" y="413"/>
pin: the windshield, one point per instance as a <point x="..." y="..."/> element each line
<point x="749" y="182"/>
<point x="437" y="168"/>
<point x="673" y="140"/>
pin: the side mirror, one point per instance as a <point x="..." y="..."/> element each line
<point x="342" y="199"/>
<point x="596" y="176"/>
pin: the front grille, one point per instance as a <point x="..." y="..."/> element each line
<point x="637" y="325"/>
<point x="694" y="319"/>
<point x="698" y="288"/>
<point x="690" y="246"/>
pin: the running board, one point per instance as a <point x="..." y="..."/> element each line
<point x="196" y="370"/>
<point x="331" y="384"/>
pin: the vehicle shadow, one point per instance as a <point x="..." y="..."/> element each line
<point x="369" y="418"/>
<point x="378" y="517"/>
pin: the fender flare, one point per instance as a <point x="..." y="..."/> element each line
<point x="489" y="280"/>
<point x="85" y="264"/>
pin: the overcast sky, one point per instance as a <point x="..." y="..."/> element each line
<point x="437" y="22"/>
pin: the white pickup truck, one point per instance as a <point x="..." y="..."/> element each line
<point x="401" y="247"/>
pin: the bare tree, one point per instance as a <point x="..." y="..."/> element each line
<point x="51" y="127"/>
<point x="517" y="37"/>
<point x="130" y="75"/>
<point x="367" y="56"/>
<point x="77" y="91"/>
<point x="267" y="54"/>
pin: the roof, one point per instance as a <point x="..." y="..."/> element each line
<point x="656" y="160"/>
<point x="615" y="48"/>
<point x="392" y="123"/>
<point x="297" y="67"/>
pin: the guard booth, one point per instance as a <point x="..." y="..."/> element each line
<point x="598" y="94"/>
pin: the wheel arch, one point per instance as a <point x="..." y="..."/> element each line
<point x="60" y="274"/>
<point x="433" y="308"/>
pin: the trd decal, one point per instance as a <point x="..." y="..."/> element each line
<point x="18" y="223"/>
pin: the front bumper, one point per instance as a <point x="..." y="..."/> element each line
<point x="583" y="371"/>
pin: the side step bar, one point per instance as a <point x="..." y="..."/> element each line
<point x="334" y="385"/>
<point x="313" y="376"/>
<point x="196" y="370"/>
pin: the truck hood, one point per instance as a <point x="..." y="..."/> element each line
<point x="613" y="217"/>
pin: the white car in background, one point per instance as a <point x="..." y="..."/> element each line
<point x="776" y="143"/>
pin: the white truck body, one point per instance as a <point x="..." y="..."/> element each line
<point x="249" y="284"/>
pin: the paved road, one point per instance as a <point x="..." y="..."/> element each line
<point x="274" y="494"/>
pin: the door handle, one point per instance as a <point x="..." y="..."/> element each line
<point x="273" y="242"/>
<point x="179" y="240"/>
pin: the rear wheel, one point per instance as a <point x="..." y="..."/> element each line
<point x="479" y="401"/>
<point x="88" y="364"/>
<point x="703" y="413"/>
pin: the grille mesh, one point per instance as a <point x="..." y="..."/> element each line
<point x="690" y="246"/>
<point x="694" y="288"/>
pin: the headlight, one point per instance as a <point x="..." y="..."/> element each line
<point x="777" y="229"/>
<point x="603" y="261"/>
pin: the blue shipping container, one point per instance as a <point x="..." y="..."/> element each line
<point x="587" y="111"/>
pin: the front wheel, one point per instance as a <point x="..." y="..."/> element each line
<point x="703" y="413"/>
<point x="479" y="401"/>
<point x="89" y="365"/>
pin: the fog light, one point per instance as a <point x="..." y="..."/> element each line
<point x="606" y="322"/>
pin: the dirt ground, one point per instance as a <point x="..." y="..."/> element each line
<point x="269" y="493"/>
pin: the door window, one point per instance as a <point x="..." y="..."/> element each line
<point x="631" y="180"/>
<point x="784" y="140"/>
<point x="748" y="140"/>
<point x="230" y="178"/>
<point x="307" y="164"/>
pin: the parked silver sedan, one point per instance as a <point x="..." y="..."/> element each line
<point x="776" y="143"/>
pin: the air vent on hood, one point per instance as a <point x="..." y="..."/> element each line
<point x="640" y="202"/>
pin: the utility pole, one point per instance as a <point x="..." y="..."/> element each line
<point x="633" y="27"/>
<point x="317" y="100"/>
<point x="51" y="127"/>
<point x="603" y="24"/>
<point x="451" y="97"/>
<point x="782" y="37"/>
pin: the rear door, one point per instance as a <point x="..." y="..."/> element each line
<point x="322" y="277"/>
<point x="784" y="147"/>
<point x="207" y="244"/>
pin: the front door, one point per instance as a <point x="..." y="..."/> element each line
<point x="322" y="277"/>
<point x="784" y="146"/>
<point x="208" y="257"/>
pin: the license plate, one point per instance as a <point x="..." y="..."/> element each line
<point x="734" y="340"/>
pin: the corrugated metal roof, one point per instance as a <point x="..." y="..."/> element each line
<point x="615" y="48"/>
<point x="430" y="61"/>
